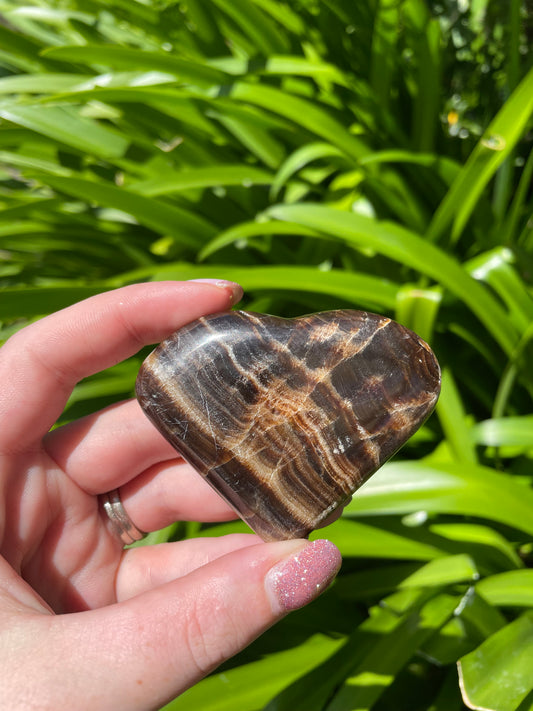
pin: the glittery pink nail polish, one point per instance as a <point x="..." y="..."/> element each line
<point x="294" y="582"/>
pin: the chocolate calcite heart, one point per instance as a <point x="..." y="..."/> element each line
<point x="286" y="418"/>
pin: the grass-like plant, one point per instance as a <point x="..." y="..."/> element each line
<point x="325" y="154"/>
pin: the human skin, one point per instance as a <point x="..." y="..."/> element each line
<point x="81" y="619"/>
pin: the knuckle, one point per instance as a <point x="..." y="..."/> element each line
<point x="211" y="634"/>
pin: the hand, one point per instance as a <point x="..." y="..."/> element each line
<point x="144" y="623"/>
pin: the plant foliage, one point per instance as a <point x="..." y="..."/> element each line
<point x="324" y="153"/>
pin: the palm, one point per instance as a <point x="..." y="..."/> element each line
<point x="55" y="536"/>
<point x="148" y="622"/>
<point x="68" y="548"/>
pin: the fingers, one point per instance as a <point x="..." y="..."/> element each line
<point x="165" y="494"/>
<point x="142" y="652"/>
<point x="148" y="567"/>
<point x="41" y="363"/>
<point x="120" y="448"/>
<point x="120" y="435"/>
<point x="156" y="486"/>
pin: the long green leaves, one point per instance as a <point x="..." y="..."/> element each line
<point x="67" y="126"/>
<point x="169" y="219"/>
<point x="495" y="146"/>
<point x="121" y="57"/>
<point x="252" y="685"/>
<point x="325" y="155"/>
<point x="406" y="248"/>
<point x="497" y="675"/>
<point x="407" y="487"/>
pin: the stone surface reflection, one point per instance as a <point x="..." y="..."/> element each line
<point x="286" y="418"/>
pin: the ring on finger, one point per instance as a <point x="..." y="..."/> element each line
<point x="122" y="524"/>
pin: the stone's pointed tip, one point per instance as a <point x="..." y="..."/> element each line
<point x="286" y="418"/>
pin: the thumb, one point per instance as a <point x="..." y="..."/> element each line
<point x="141" y="653"/>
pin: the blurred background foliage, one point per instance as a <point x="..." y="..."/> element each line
<point x="372" y="154"/>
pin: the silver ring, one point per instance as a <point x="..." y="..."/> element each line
<point x="121" y="522"/>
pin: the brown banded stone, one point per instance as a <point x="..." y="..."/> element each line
<point x="286" y="418"/>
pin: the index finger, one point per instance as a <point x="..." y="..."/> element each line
<point x="40" y="364"/>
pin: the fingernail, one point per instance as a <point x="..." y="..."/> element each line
<point x="301" y="578"/>
<point x="235" y="289"/>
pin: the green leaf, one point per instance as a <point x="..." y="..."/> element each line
<point x="513" y="588"/>
<point x="313" y="691"/>
<point x="478" y="615"/>
<point x="139" y="14"/>
<point x="418" y="309"/>
<point x="145" y="110"/>
<point x="22" y="48"/>
<point x="472" y="537"/>
<point x="497" y="675"/>
<point x="250" y="686"/>
<point x="496" y="144"/>
<point x="454" y="422"/>
<point x="427" y="48"/>
<point x="256" y="24"/>
<point x="26" y="301"/>
<point x="406" y="248"/>
<point x="359" y="289"/>
<point x="188" y="71"/>
<point x="183" y="225"/>
<point x="176" y="103"/>
<point x="288" y="18"/>
<point x="299" y="159"/>
<point x="519" y="204"/>
<point x="504" y="432"/>
<point x="134" y="80"/>
<point x="212" y="176"/>
<point x="34" y="164"/>
<point x="383" y="60"/>
<point x="253" y="130"/>
<point x="497" y="269"/>
<point x="66" y="125"/>
<point x="443" y="571"/>
<point x="379" y="668"/>
<point x="34" y="206"/>
<point x="448" y="698"/>
<point x="294" y="65"/>
<point x="361" y="540"/>
<point x="439" y="572"/>
<point x="473" y="621"/>
<point x="405" y="487"/>
<point x="303" y="113"/>
<point x="446" y="168"/>
<point x="116" y="382"/>
<point x="50" y="15"/>
<point x="242" y="232"/>
<point x="39" y="83"/>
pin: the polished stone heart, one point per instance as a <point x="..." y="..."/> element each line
<point x="286" y="418"/>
